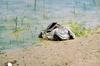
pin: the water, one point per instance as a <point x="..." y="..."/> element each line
<point x="30" y="20"/>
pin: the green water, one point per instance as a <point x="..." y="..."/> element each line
<point x="20" y="23"/>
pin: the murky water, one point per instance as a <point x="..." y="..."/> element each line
<point x="29" y="21"/>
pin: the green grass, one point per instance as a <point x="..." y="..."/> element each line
<point x="79" y="29"/>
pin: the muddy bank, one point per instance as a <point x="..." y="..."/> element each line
<point x="83" y="51"/>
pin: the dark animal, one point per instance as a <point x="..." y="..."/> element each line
<point x="57" y="32"/>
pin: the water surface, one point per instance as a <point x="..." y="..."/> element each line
<point x="31" y="20"/>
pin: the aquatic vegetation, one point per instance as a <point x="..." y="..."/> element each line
<point x="17" y="32"/>
<point x="79" y="29"/>
<point x="21" y="21"/>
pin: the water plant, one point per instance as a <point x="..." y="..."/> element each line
<point x="79" y="29"/>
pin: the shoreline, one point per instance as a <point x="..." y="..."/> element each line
<point x="83" y="51"/>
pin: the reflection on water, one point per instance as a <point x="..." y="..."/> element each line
<point x="20" y="23"/>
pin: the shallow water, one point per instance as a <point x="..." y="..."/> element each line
<point x="31" y="21"/>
